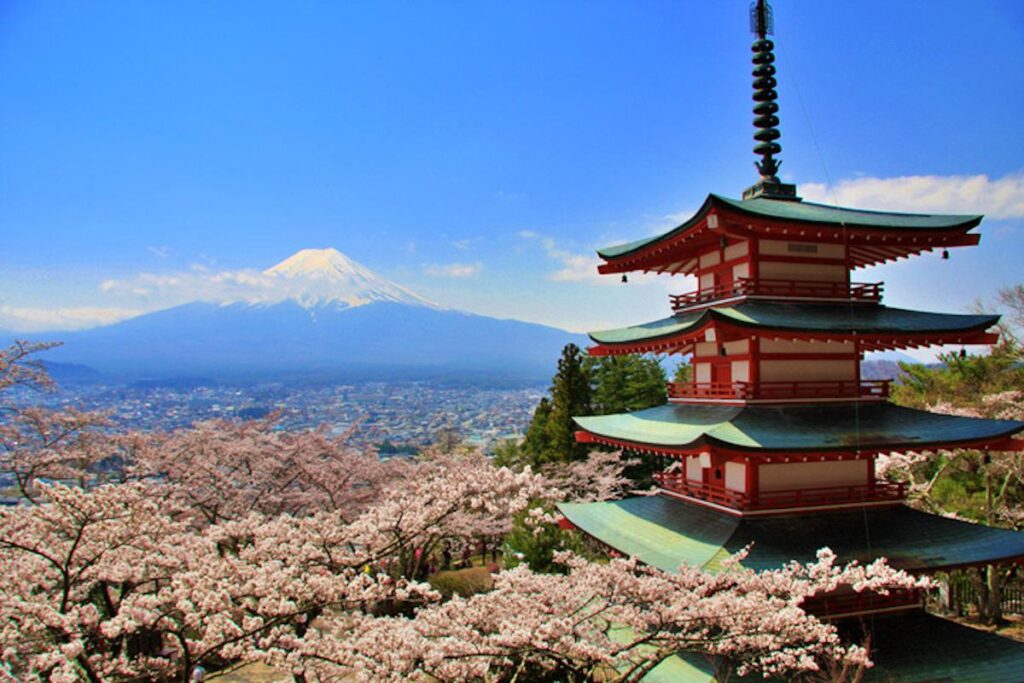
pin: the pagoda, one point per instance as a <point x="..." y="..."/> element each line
<point x="772" y="444"/>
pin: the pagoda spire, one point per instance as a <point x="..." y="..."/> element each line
<point x="766" y="134"/>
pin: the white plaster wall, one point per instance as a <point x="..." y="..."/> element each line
<point x="693" y="469"/>
<point x="707" y="281"/>
<point x="812" y="272"/>
<point x="741" y="270"/>
<point x="705" y="349"/>
<point x="738" y="347"/>
<point x="736" y="250"/>
<point x="801" y="346"/>
<point x="808" y="370"/>
<point x="741" y="371"/>
<point x="702" y="373"/>
<point x="736" y="476"/>
<point x="781" y="248"/>
<point x="712" y="258"/>
<point x="797" y="475"/>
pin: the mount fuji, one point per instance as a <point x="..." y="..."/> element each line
<point x="317" y="315"/>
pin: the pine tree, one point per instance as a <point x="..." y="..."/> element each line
<point x="570" y="396"/>
<point x="684" y="372"/>
<point x="625" y="383"/>
<point x="536" y="442"/>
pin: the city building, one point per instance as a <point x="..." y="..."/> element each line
<point x="772" y="445"/>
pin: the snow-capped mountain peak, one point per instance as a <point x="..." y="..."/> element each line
<point x="318" y="277"/>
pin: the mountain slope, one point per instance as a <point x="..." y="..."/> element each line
<point x="372" y="341"/>
<point x="317" y="314"/>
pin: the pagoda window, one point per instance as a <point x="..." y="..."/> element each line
<point x="810" y="475"/>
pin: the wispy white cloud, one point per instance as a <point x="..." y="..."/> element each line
<point x="162" y="252"/>
<point x="454" y="270"/>
<point x="998" y="198"/>
<point x="28" y="319"/>
<point x="575" y="266"/>
<point x="466" y="243"/>
<point x="199" y="283"/>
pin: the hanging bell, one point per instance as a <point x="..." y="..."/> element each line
<point x="945" y="254"/>
<point x="625" y="279"/>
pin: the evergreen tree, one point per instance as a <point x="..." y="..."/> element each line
<point x="684" y="372"/>
<point x="625" y="383"/>
<point x="570" y="396"/>
<point x="537" y="443"/>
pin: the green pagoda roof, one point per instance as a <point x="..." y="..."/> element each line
<point x="802" y="427"/>
<point x="664" y="532"/>
<point x="805" y="212"/>
<point x="914" y="647"/>
<point x="805" y="318"/>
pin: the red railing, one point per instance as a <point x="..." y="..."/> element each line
<point x="797" y="289"/>
<point x="847" y="603"/>
<point x="769" y="391"/>
<point x="878" y="491"/>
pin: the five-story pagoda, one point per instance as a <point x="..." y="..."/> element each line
<point x="772" y="444"/>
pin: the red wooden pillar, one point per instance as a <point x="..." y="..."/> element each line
<point x="753" y="253"/>
<point x="752" y="480"/>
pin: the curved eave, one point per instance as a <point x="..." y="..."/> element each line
<point x="873" y="236"/>
<point x="666" y="533"/>
<point x="679" y="430"/>
<point x="839" y="217"/>
<point x="876" y="328"/>
<point x="622" y="251"/>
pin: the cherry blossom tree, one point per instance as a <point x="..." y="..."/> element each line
<point x="609" y="622"/>
<point x="236" y="542"/>
<point x="39" y="443"/>
<point x="223" y="470"/>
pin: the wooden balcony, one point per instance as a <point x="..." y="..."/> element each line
<point x="746" y="392"/>
<point x="870" y="292"/>
<point x="877" y="492"/>
<point x="846" y="603"/>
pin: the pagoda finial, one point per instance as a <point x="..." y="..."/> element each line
<point x="765" y="109"/>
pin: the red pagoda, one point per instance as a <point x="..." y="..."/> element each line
<point x="773" y="442"/>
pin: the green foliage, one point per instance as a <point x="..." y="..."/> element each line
<point x="535" y="545"/>
<point x="964" y="380"/>
<point x="462" y="582"/>
<point x="625" y="383"/>
<point x="570" y="396"/>
<point x="585" y="385"/>
<point x="537" y="443"/>
<point x="684" y="372"/>
<point x="507" y="453"/>
<point x="960" y="380"/>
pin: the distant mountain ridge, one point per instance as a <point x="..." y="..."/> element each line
<point x="331" y="318"/>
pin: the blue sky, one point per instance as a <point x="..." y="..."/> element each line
<point x="478" y="152"/>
